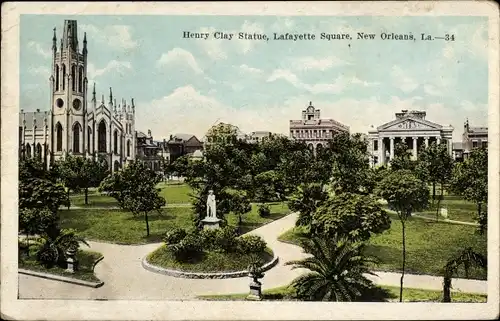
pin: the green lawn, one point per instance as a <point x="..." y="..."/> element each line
<point x="209" y="261"/>
<point x="458" y="209"/>
<point x="173" y="193"/>
<point x="287" y="293"/>
<point x="429" y="245"/>
<point x="118" y="226"/>
<point x="85" y="271"/>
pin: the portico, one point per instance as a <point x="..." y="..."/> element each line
<point x="410" y="128"/>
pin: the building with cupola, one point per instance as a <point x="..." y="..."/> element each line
<point x="76" y="123"/>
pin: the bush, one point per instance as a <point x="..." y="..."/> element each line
<point x="248" y="244"/>
<point x="209" y="239"/>
<point x="226" y="239"/>
<point x="175" y="236"/>
<point x="264" y="210"/>
<point x="189" y="248"/>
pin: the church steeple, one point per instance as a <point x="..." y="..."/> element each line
<point x="110" y="96"/>
<point x="93" y="93"/>
<point x="70" y="35"/>
<point x="84" y="51"/>
<point x="54" y="41"/>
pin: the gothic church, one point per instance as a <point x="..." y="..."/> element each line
<point x="72" y="126"/>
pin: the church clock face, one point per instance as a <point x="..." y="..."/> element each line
<point x="77" y="104"/>
<point x="59" y="102"/>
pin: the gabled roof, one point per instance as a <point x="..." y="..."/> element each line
<point x="29" y="116"/>
<point x="141" y="135"/>
<point x="409" y="122"/>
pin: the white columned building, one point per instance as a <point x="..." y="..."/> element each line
<point x="410" y="128"/>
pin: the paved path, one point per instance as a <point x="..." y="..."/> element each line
<point x="125" y="278"/>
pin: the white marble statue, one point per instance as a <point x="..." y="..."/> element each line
<point x="211" y="205"/>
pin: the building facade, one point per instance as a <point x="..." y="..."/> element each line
<point x="313" y="130"/>
<point x="150" y="151"/>
<point x="473" y="137"/>
<point x="410" y="128"/>
<point x="72" y="125"/>
<point x="183" y="144"/>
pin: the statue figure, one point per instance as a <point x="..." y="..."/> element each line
<point x="211" y="205"/>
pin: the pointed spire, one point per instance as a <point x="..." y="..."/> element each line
<point x="115" y="104"/>
<point x="110" y="95"/>
<point x="54" y="41"/>
<point x="93" y="93"/>
<point x="84" y="51"/>
<point x="102" y="101"/>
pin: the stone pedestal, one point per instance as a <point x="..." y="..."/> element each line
<point x="72" y="262"/>
<point x="255" y="291"/>
<point x="210" y="223"/>
<point x="444" y="213"/>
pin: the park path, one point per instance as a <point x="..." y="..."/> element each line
<point x="126" y="279"/>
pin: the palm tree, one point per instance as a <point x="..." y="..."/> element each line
<point x="466" y="258"/>
<point x="337" y="268"/>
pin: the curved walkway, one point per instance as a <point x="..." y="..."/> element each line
<point x="126" y="279"/>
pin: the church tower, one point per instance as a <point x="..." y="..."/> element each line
<point x="68" y="84"/>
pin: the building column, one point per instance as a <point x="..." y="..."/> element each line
<point x="450" y="147"/>
<point x="426" y="142"/>
<point x="438" y="140"/>
<point x="415" y="147"/>
<point x="380" y="151"/>
<point x="391" y="148"/>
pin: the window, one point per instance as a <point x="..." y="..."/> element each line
<point x="80" y="79"/>
<point x="64" y="77"/>
<point x="101" y="137"/>
<point x="28" y="150"/>
<point x="375" y="145"/>
<point x="115" y="142"/>
<point x="59" y="137"/>
<point x="484" y="144"/>
<point x="57" y="78"/>
<point x="73" y="77"/>
<point x="128" y="148"/>
<point x="76" y="137"/>
<point x="474" y="144"/>
<point x="89" y="139"/>
<point x="39" y="151"/>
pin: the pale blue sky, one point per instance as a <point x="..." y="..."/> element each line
<point x="185" y="85"/>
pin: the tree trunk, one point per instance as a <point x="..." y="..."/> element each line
<point x="86" y="195"/>
<point x="69" y="202"/>
<point x="147" y="223"/>
<point x="439" y="202"/>
<point x="433" y="192"/>
<point x="404" y="261"/>
<point x="478" y="210"/>
<point x="446" y="289"/>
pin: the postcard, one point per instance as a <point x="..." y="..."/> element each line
<point x="240" y="161"/>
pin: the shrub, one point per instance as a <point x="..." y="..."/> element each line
<point x="189" y="248"/>
<point x="248" y="244"/>
<point x="264" y="210"/>
<point x="209" y="239"/>
<point x="226" y="239"/>
<point x="175" y="236"/>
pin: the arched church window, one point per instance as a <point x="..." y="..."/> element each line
<point x="28" y="150"/>
<point x="57" y="77"/>
<point x="39" y="151"/>
<point x="80" y="79"/>
<point x="73" y="77"/>
<point x="76" y="137"/>
<point x="128" y="148"/>
<point x="59" y="137"/>
<point x="64" y="77"/>
<point x="89" y="139"/>
<point x="115" y="142"/>
<point x="101" y="137"/>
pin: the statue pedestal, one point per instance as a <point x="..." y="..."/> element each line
<point x="210" y="223"/>
<point x="255" y="291"/>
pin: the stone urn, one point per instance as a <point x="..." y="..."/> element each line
<point x="71" y="261"/>
<point x="255" y="273"/>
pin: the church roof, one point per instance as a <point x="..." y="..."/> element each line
<point x="141" y="135"/>
<point x="30" y="116"/>
<point x="478" y="130"/>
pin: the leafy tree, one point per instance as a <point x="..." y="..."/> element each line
<point x="268" y="186"/>
<point x="134" y="187"/>
<point x="350" y="215"/>
<point x="434" y="165"/>
<point x="470" y="180"/>
<point x="306" y="199"/>
<point x="337" y="268"/>
<point x="41" y="193"/>
<point x="466" y="258"/>
<point x="402" y="158"/>
<point x="37" y="221"/>
<point x="238" y="204"/>
<point x="350" y="161"/>
<point x="404" y="193"/>
<point x="81" y="173"/>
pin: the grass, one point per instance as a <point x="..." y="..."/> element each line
<point x="174" y="193"/>
<point x="208" y="261"/>
<point x="287" y="293"/>
<point x="85" y="268"/>
<point x="118" y="226"/>
<point x="458" y="209"/>
<point x="429" y="245"/>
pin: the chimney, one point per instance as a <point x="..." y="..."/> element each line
<point x="38" y="110"/>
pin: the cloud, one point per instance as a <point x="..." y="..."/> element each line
<point x="286" y="75"/>
<point x="212" y="47"/>
<point x="39" y="49"/>
<point x="181" y="57"/>
<point x="432" y="90"/>
<point x="402" y="81"/>
<point x="250" y="28"/>
<point x="42" y="71"/>
<point x="474" y="44"/>
<point x="116" y="36"/>
<point x="119" y="68"/>
<point x="250" y="70"/>
<point x="282" y="24"/>
<point x="321" y="64"/>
